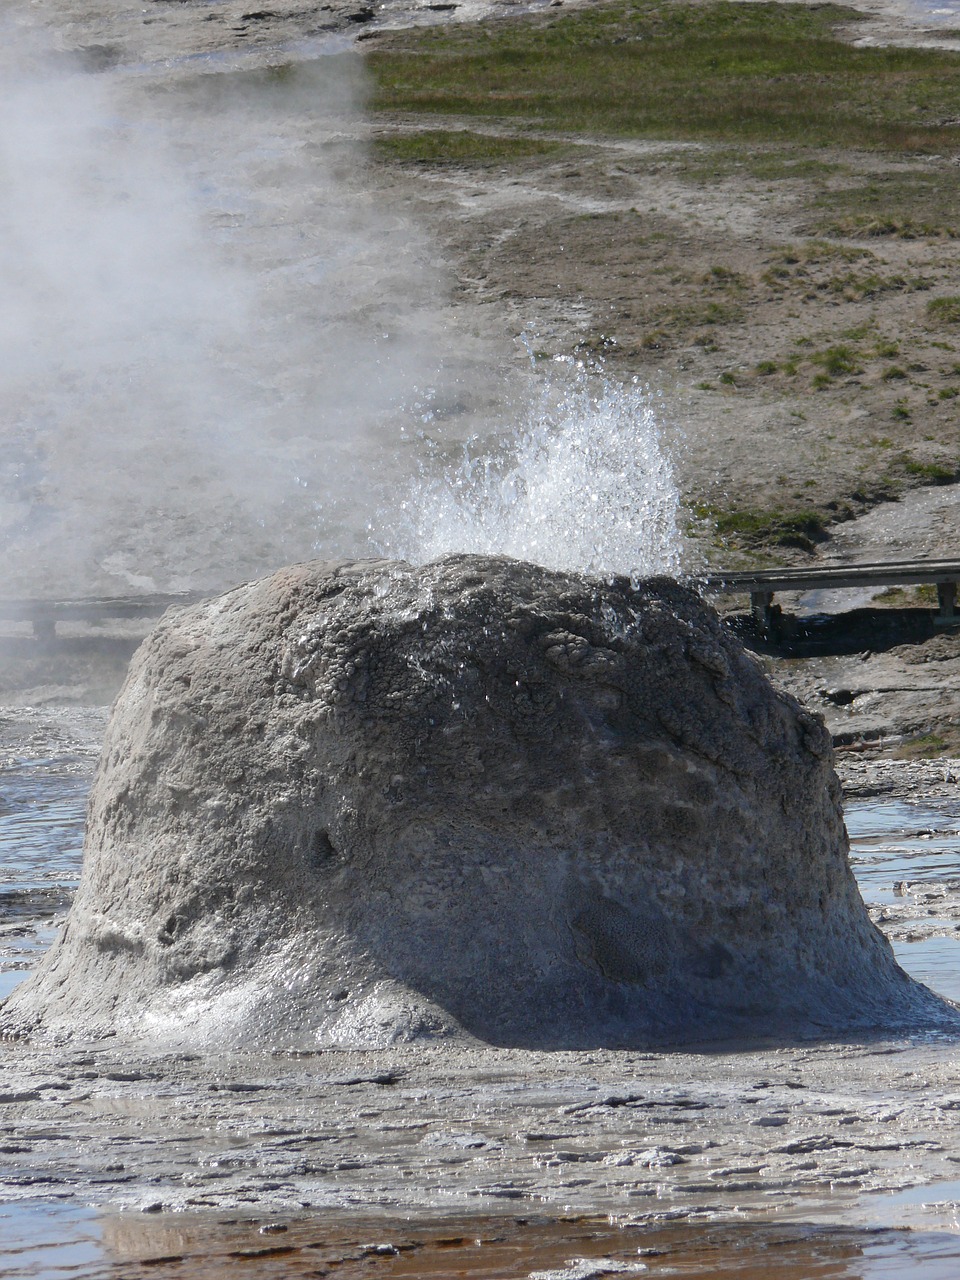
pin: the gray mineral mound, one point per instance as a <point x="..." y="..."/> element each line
<point x="361" y="802"/>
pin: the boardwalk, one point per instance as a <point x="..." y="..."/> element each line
<point x="44" y="614"/>
<point x="763" y="584"/>
<point x="760" y="584"/>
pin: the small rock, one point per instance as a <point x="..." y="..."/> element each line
<point x="590" y="1269"/>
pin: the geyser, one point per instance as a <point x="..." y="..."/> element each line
<point x="360" y="802"/>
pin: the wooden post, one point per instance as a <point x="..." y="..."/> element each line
<point x="761" y="603"/>
<point x="947" y="599"/>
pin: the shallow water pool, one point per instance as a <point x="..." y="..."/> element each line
<point x="475" y="1248"/>
<point x="42" y="805"/>
<point x="906" y="857"/>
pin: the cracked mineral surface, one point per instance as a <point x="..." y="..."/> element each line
<point x="361" y="803"/>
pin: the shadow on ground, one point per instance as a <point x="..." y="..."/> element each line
<point x="824" y="634"/>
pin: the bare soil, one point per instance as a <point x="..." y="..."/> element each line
<point x="682" y="265"/>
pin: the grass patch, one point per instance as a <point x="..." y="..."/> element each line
<point x="746" y="528"/>
<point x="462" y="146"/>
<point x="926" y="746"/>
<point x="813" y="269"/>
<point x="904" y="204"/>
<point x="929" y="472"/>
<point x="838" y="361"/>
<point x="847" y="358"/>
<point x="765" y="164"/>
<point x="943" y="311"/>
<point x="922" y="596"/>
<point x="758" y="73"/>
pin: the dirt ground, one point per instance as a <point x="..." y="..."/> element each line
<point x="780" y="298"/>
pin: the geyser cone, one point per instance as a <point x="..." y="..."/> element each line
<point x="359" y="802"/>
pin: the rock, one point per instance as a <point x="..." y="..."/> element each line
<point x="589" y="1269"/>
<point x="364" y="802"/>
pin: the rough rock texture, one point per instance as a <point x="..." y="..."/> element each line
<point x="361" y="802"/>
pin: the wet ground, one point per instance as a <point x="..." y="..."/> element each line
<point x="495" y="1249"/>
<point x="809" y="1159"/>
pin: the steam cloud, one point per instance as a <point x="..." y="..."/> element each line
<point x="209" y="330"/>
<point x="221" y="350"/>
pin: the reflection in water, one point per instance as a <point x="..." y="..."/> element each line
<point x="38" y="1239"/>
<point x="42" y="806"/>
<point x="517" y="1248"/>
<point x="906" y="857"/>
<point x="134" y="1246"/>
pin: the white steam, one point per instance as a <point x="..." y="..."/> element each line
<point x="208" y="324"/>
<point x="216" y="335"/>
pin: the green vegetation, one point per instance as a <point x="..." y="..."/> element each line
<point x="943" y="311"/>
<point x="929" y="472"/>
<point x="803" y="267"/>
<point x="907" y="204"/>
<point x="748" y="528"/>
<point x="924" y="595"/>
<point x="765" y="164"/>
<point x="925" y="746"/>
<point x="462" y="146"/>
<point x="757" y="73"/>
<point x="838" y="361"/>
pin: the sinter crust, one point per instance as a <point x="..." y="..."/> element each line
<point x="361" y="802"/>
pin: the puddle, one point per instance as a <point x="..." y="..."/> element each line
<point x="934" y="1204"/>
<point x="42" y="808"/>
<point x="44" y="1240"/>
<point x="907" y="856"/>
<point x="933" y="961"/>
<point x="932" y="1193"/>
<point x="128" y="1247"/>
<point x="10" y="979"/>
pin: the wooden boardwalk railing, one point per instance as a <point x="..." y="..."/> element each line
<point x="45" y="614"/>
<point x="760" y="584"/>
<point x="763" y="584"/>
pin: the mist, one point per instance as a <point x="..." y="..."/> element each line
<point x="225" y="345"/>
<point x="215" y="339"/>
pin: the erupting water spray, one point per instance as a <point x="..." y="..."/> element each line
<point x="583" y="483"/>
